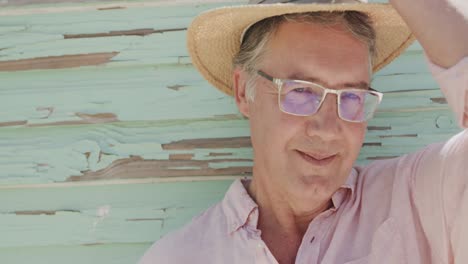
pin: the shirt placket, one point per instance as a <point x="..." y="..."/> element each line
<point x="261" y="251"/>
<point x="309" y="250"/>
<point x="263" y="254"/>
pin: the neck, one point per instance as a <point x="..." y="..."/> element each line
<point x="282" y="222"/>
<point x="279" y="211"/>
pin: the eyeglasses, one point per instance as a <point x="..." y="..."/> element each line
<point x="302" y="98"/>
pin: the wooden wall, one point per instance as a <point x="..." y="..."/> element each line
<point x="109" y="138"/>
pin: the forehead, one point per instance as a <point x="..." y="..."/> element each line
<point x="310" y="49"/>
<point x="302" y="37"/>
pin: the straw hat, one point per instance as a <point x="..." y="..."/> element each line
<point x="214" y="37"/>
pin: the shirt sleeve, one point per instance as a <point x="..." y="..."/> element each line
<point x="440" y="176"/>
<point x="454" y="85"/>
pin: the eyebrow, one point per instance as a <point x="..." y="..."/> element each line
<point x="360" y="85"/>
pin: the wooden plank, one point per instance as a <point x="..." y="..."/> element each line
<point x="117" y="253"/>
<point x="40" y="97"/>
<point x="34" y="155"/>
<point x="39" y="2"/>
<point x="103" y="214"/>
<point x="137" y="167"/>
<point x="42" y="36"/>
<point x="57" y="62"/>
<point x="89" y="6"/>
<point x="134" y="32"/>
<point x="209" y="143"/>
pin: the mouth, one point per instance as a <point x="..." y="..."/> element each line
<point x="317" y="159"/>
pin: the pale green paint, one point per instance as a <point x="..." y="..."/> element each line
<point x="99" y="254"/>
<point x="28" y="95"/>
<point x="40" y="33"/>
<point x="22" y="149"/>
<point x="109" y="90"/>
<point x="133" y="86"/>
<point x="78" y="222"/>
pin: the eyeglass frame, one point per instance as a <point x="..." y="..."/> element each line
<point x="279" y="84"/>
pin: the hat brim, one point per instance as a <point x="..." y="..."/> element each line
<point x="214" y="37"/>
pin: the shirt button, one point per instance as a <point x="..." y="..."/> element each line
<point x="259" y="245"/>
<point x="312" y="240"/>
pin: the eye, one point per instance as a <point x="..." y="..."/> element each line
<point x="299" y="90"/>
<point x="351" y="97"/>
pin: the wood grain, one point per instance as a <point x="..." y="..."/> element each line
<point x="110" y="139"/>
<point x="58" y="62"/>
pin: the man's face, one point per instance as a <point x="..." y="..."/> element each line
<point x="287" y="148"/>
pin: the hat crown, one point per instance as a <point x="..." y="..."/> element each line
<point x="307" y="1"/>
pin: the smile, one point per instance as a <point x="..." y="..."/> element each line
<point x="316" y="159"/>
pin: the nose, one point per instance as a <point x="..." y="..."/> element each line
<point x="326" y="123"/>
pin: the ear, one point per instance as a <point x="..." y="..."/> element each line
<point x="240" y="78"/>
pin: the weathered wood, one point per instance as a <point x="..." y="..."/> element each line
<point x="115" y="253"/>
<point x="105" y="214"/>
<point x="134" y="32"/>
<point x="210" y="143"/>
<point x="57" y="62"/>
<point x="53" y="8"/>
<point x="136" y="167"/>
<point x="195" y="147"/>
<point x="100" y="160"/>
<point x="37" y="2"/>
<point x="181" y="156"/>
<point x="145" y="85"/>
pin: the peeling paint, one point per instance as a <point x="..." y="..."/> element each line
<point x="134" y="32"/>
<point x="143" y="219"/>
<point x="38" y="212"/>
<point x="49" y="111"/>
<point x="373" y="144"/>
<point x="92" y="244"/>
<point x="110" y="8"/>
<point x="44" y="212"/>
<point x="399" y="136"/>
<point x="98" y="118"/>
<point x="13" y="123"/>
<point x="57" y="62"/>
<point x="378" y="128"/>
<point x="102" y="213"/>
<point x="381" y="157"/>
<point x="439" y="100"/>
<point x="123" y="110"/>
<point x="176" y="87"/>
<point x="213" y="143"/>
<point x="137" y="167"/>
<point x="215" y="154"/>
<point x="181" y="156"/>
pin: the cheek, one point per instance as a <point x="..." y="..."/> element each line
<point x="270" y="127"/>
<point x="356" y="135"/>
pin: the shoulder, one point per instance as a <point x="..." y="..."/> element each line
<point x="187" y="244"/>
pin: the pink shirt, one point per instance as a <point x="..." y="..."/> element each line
<point x="412" y="209"/>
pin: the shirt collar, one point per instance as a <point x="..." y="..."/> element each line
<point x="241" y="210"/>
<point x="238" y="206"/>
<point x="348" y="187"/>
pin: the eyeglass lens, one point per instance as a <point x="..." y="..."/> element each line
<point x="300" y="98"/>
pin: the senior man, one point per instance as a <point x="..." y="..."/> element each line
<point x="300" y="73"/>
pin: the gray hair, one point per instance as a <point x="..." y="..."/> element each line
<point x="258" y="35"/>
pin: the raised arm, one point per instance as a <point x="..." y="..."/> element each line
<point x="441" y="26"/>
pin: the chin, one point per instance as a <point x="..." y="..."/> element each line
<point x="315" y="185"/>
